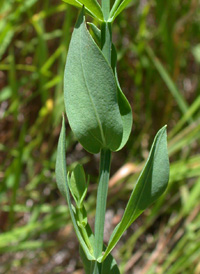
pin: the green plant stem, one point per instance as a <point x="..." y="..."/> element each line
<point x="105" y="154"/>
<point x="106" y="40"/>
<point x="105" y="8"/>
<point x="86" y="238"/>
<point x="105" y="160"/>
<point x="106" y="32"/>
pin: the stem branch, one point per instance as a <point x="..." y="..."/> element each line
<point x="106" y="40"/>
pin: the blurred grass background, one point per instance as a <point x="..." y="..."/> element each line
<point x="158" y="46"/>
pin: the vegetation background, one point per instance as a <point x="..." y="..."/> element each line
<point x="158" y="45"/>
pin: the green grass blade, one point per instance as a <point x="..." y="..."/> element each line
<point x="27" y="245"/>
<point x="185" y="137"/>
<point x="168" y="81"/>
<point x="18" y="166"/>
<point x="186" y="117"/>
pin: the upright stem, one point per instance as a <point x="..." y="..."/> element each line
<point x="105" y="154"/>
<point x="106" y="40"/>
<point x="106" y="31"/>
<point x="105" y="160"/>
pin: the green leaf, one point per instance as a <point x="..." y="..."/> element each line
<point x="151" y="184"/>
<point x="126" y="115"/>
<point x="78" y="185"/>
<point x="119" y="9"/>
<point x="62" y="178"/>
<point x="61" y="168"/>
<point x="92" y="6"/>
<point x="86" y="263"/>
<point x="96" y="31"/>
<point x="81" y="217"/>
<point x="109" y="265"/>
<point x="124" y="106"/>
<point x="90" y="94"/>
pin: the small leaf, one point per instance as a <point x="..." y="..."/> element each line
<point x="78" y="184"/>
<point x="120" y="8"/>
<point x="96" y="31"/>
<point x="92" y="6"/>
<point x="62" y="178"/>
<point x="90" y="94"/>
<point x="151" y="184"/>
<point x="126" y="115"/>
<point x="61" y="171"/>
<point x="81" y="217"/>
<point x="124" y="106"/>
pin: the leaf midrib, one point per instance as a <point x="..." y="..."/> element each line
<point x="90" y="97"/>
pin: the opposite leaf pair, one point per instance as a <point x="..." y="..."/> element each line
<point x="94" y="9"/>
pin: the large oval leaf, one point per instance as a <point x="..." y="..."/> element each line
<point x="151" y="184"/>
<point x="124" y="106"/>
<point x="90" y="93"/>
